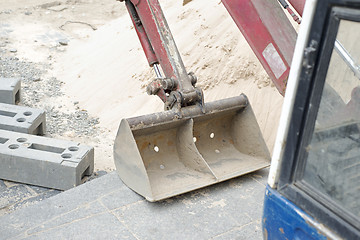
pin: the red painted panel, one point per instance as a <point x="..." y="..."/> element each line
<point x="147" y="17"/>
<point x="298" y="5"/>
<point x="144" y="40"/>
<point x="269" y="34"/>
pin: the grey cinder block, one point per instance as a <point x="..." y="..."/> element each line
<point x="10" y="90"/>
<point x="42" y="161"/>
<point x="22" y="119"/>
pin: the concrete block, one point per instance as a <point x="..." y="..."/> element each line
<point x="22" y="119"/>
<point x="42" y="161"/>
<point x="10" y="90"/>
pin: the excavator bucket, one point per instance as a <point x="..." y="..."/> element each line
<point x="165" y="154"/>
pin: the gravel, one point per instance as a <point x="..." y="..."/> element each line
<point x="39" y="91"/>
<point x="64" y="42"/>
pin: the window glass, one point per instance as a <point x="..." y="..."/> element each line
<point x="333" y="164"/>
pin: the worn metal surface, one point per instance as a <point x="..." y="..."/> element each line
<point x="269" y="34"/>
<point x="160" y="47"/>
<point x="284" y="220"/>
<point x="144" y="40"/>
<point x="298" y="5"/>
<point x="168" y="153"/>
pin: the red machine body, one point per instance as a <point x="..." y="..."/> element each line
<point x="269" y="34"/>
<point x="196" y="144"/>
<point x="160" y="48"/>
<point x="262" y="22"/>
<point x="298" y="5"/>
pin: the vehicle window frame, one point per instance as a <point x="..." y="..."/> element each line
<point x="324" y="29"/>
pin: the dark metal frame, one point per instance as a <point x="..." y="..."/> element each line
<point x="312" y="79"/>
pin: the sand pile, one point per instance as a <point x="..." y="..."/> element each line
<point x="107" y="72"/>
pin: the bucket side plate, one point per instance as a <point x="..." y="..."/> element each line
<point x="171" y="156"/>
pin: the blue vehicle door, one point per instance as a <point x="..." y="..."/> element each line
<point x="314" y="182"/>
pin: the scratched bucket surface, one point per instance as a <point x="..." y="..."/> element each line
<point x="161" y="155"/>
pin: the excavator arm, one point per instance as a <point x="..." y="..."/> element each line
<point x="195" y="144"/>
<point x="269" y="33"/>
<point x="263" y="23"/>
<point x="177" y="87"/>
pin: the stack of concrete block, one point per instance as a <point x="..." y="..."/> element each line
<point x="36" y="160"/>
<point x="44" y="161"/>
<point x="22" y="119"/>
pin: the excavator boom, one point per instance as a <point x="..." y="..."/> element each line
<point x="195" y="144"/>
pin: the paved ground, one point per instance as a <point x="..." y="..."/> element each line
<point x="14" y="195"/>
<point x="105" y="208"/>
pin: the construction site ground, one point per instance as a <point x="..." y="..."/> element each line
<point x="105" y="208"/>
<point x="81" y="61"/>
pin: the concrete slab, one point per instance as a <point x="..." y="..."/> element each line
<point x="42" y="161"/>
<point x="105" y="208"/>
<point x="10" y="90"/>
<point x="15" y="195"/>
<point x="22" y="119"/>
